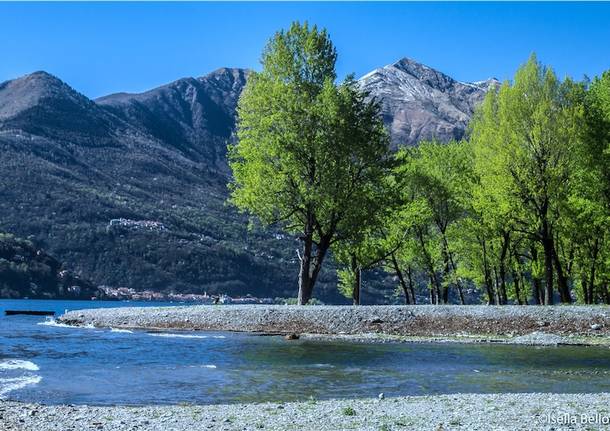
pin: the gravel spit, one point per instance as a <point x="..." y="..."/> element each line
<point x="550" y="325"/>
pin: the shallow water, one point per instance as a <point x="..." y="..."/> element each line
<point x="54" y="364"/>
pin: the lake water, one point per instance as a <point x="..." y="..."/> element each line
<point x="51" y="364"/>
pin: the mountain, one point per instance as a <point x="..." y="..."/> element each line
<point x="420" y="103"/>
<point x="130" y="189"/>
<point x="125" y="202"/>
<point x="195" y="116"/>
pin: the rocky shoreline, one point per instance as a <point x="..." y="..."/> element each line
<point x="440" y="412"/>
<point x="537" y="325"/>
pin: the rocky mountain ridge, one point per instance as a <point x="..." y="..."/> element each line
<point x="421" y="103"/>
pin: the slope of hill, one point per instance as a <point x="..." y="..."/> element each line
<point x="196" y="117"/>
<point x="27" y="271"/>
<point x="69" y="167"/>
<point x="130" y="189"/>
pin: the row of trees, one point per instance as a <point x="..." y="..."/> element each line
<point x="520" y="210"/>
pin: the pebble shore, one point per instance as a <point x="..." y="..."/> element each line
<point x="443" y="412"/>
<point x="474" y="323"/>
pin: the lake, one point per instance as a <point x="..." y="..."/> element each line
<point x="44" y="362"/>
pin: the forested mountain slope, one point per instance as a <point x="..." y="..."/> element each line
<point x="130" y="189"/>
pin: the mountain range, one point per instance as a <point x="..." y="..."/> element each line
<point x="130" y="189"/>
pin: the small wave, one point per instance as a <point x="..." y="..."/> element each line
<point x="126" y="331"/>
<point x="9" y="385"/>
<point x="56" y="324"/>
<point x="177" y="335"/>
<point x="322" y="366"/>
<point x="52" y="322"/>
<point x="219" y="336"/>
<point x="209" y="366"/>
<point x="18" y="364"/>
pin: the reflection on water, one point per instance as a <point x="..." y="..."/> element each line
<point x="55" y="364"/>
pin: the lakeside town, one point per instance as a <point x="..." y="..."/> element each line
<point x="129" y="294"/>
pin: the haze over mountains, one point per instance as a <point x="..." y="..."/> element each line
<point x="130" y="189"/>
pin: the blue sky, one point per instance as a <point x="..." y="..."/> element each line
<point x="101" y="48"/>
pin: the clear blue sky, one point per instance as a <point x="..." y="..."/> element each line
<point x="102" y="48"/>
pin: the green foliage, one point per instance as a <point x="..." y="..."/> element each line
<point x="524" y="138"/>
<point x="521" y="207"/>
<point x="348" y="411"/>
<point x="586" y="236"/>
<point x="311" y="155"/>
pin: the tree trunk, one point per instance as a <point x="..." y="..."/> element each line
<point x="562" y="282"/>
<point x="458" y="284"/>
<point x="411" y="287"/>
<point x="310" y="265"/>
<point x="497" y="286"/>
<point x="585" y="289"/>
<point x="547" y="245"/>
<point x="589" y="287"/>
<point x="592" y="272"/>
<point x="321" y="252"/>
<point x="401" y="279"/>
<point x="460" y="292"/>
<point x="517" y="287"/>
<point x="446" y="277"/>
<point x="537" y="293"/>
<point x="487" y="273"/>
<point x="305" y="284"/>
<point x="536" y="285"/>
<point x="522" y="283"/>
<point x="434" y="284"/>
<point x="438" y="290"/>
<point x="357" y="283"/>
<point x="433" y="296"/>
<point x="503" y="298"/>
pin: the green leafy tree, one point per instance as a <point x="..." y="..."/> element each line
<point x="310" y="153"/>
<point x="524" y="139"/>
<point x="369" y="248"/>
<point x="435" y="179"/>
<point x="586" y="227"/>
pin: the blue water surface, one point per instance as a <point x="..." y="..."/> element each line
<point x="52" y="364"/>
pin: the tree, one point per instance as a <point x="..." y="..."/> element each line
<point x="524" y="138"/>
<point x="588" y="207"/>
<point x="310" y="153"/>
<point x="370" y="246"/>
<point x="443" y="178"/>
<point x="434" y="178"/>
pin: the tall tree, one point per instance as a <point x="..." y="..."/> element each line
<point x="524" y="138"/>
<point x="434" y="179"/>
<point x="586" y="227"/>
<point x="310" y="153"/>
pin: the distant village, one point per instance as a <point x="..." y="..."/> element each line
<point x="129" y="294"/>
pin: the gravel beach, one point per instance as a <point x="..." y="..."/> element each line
<point x="474" y="323"/>
<point x="443" y="412"/>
